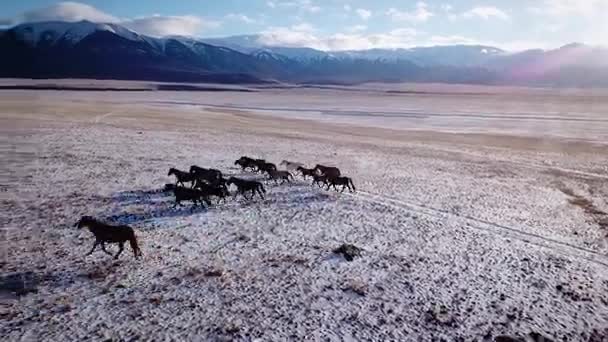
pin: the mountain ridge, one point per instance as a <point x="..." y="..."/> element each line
<point x="97" y="50"/>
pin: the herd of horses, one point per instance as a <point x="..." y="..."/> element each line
<point x="207" y="183"/>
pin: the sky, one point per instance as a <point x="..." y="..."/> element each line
<point x="342" y="24"/>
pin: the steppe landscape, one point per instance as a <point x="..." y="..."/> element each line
<point x="480" y="212"/>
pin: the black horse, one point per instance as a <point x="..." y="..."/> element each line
<point x="283" y="176"/>
<point x="182" y="176"/>
<point x="208" y="175"/>
<point x="243" y="186"/>
<point x="306" y="172"/>
<point x="266" y="167"/>
<point x="346" y="182"/>
<point x="246" y="163"/>
<point x="194" y="195"/>
<point x="105" y="233"/>
<point x="219" y="190"/>
<point x="319" y="180"/>
<point x="328" y="171"/>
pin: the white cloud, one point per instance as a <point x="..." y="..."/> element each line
<point x="363" y="13"/>
<point x="240" y="17"/>
<point x="155" y="25"/>
<point x="302" y="5"/>
<point x="356" y="28"/>
<point x="570" y="7"/>
<point x="303" y="27"/>
<point x="296" y="37"/>
<point x="486" y="12"/>
<point x="561" y="15"/>
<point x="419" y="15"/>
<point x="447" y="7"/>
<point x="347" y="8"/>
<point x="67" y="11"/>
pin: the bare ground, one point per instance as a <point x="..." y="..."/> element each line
<point x="465" y="236"/>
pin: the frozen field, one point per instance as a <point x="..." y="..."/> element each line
<point x="480" y="213"/>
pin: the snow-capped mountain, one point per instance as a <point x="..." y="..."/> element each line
<point x="54" y="32"/>
<point x="86" y="49"/>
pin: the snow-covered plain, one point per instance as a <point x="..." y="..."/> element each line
<point x="464" y="236"/>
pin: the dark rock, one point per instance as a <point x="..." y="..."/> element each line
<point x="19" y="283"/>
<point x="348" y="251"/>
<point x="213" y="273"/>
<point x="505" y="338"/>
<point x="440" y="316"/>
<point x="536" y="337"/>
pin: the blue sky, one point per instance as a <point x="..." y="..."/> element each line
<point x="343" y="24"/>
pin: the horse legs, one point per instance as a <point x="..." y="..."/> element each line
<point x="94" y="246"/>
<point x="103" y="248"/>
<point x="121" y="246"/>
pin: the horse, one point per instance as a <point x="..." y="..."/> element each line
<point x="209" y="175"/>
<point x="219" y="190"/>
<point x="266" y="167"/>
<point x="291" y="166"/>
<point x="246" y="162"/>
<point x="105" y="233"/>
<point x="284" y="176"/>
<point x="194" y="195"/>
<point x="328" y="171"/>
<point x="346" y="182"/>
<point x="319" y="180"/>
<point x="243" y="186"/>
<point x="182" y="176"/>
<point x="306" y="172"/>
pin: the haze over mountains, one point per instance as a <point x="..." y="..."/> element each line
<point x="109" y="51"/>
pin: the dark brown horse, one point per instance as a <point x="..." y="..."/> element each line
<point x="306" y="172"/>
<point x="105" y="233"/>
<point x="246" y="163"/>
<point x="208" y="175"/>
<point x="344" y="181"/>
<point x="182" y="176"/>
<point x="328" y="171"/>
<point x="219" y="190"/>
<point x="267" y="168"/>
<point x="243" y="186"/>
<point x="283" y="176"/>
<point x="194" y="195"/>
<point x="319" y="180"/>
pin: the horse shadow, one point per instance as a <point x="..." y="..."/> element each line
<point x="158" y="204"/>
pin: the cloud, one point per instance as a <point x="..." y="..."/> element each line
<point x="486" y="12"/>
<point x="363" y="13"/>
<point x="347" y="8"/>
<point x="169" y="25"/>
<point x="67" y="11"/>
<point x="155" y="25"/>
<point x="356" y="28"/>
<point x="296" y="36"/>
<point x="447" y="7"/>
<point x="564" y="16"/>
<point x="302" y="5"/>
<point x="419" y="15"/>
<point x="240" y="17"/>
<point x="560" y="8"/>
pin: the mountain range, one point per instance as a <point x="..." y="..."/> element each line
<point x="108" y="51"/>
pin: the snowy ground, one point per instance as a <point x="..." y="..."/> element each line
<point x="465" y="236"/>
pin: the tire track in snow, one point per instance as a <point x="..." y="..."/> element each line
<point x="489" y="227"/>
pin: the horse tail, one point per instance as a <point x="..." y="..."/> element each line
<point x="350" y="181"/>
<point x="134" y="245"/>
